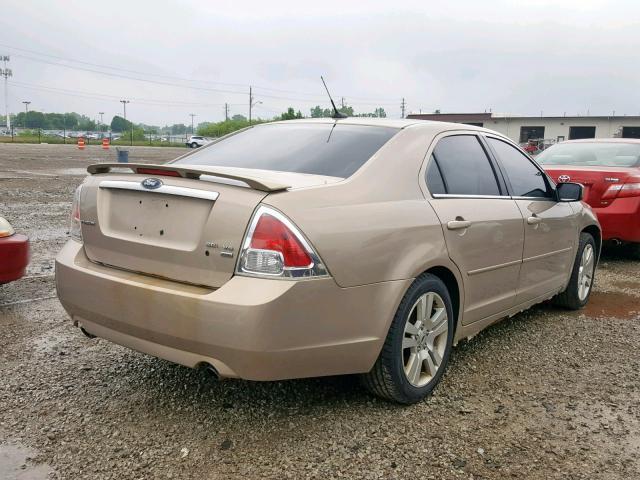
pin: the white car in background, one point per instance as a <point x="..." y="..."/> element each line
<point x="196" y="141"/>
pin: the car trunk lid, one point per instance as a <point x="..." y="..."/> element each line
<point x="597" y="180"/>
<point x="185" y="224"/>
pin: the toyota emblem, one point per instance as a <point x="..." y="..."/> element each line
<point x="564" y="178"/>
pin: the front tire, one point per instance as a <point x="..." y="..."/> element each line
<point x="194" y="145"/>
<point x="418" y="345"/>
<point x="577" y="293"/>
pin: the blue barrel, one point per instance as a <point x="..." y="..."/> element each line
<point x="123" y="155"/>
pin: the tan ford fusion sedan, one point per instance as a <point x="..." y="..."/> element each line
<point x="324" y="247"/>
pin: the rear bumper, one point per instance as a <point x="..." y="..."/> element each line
<point x="250" y="328"/>
<point x="620" y="220"/>
<point x="14" y="257"/>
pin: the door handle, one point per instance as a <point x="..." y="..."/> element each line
<point x="534" y="220"/>
<point x="458" y="224"/>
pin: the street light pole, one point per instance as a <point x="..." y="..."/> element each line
<point x="192" y="115"/>
<point x="6" y="73"/>
<point x="101" y="120"/>
<point x="26" y="112"/>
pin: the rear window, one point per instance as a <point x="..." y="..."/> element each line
<point x="592" y="153"/>
<point x="331" y="149"/>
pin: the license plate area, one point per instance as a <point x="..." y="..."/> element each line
<point x="153" y="218"/>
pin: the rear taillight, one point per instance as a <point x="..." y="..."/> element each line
<point x="275" y="247"/>
<point x="631" y="188"/>
<point x="75" y="230"/>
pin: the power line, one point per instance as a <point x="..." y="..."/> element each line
<point x="317" y="97"/>
<point x="101" y="96"/>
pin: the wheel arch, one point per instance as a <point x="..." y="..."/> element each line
<point x="595" y="232"/>
<point x="452" y="283"/>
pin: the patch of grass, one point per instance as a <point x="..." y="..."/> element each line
<point x="73" y="141"/>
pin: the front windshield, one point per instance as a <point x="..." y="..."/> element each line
<point x="584" y="154"/>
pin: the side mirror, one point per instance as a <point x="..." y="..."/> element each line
<point x="569" y="192"/>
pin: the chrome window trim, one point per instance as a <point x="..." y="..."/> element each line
<point x="495" y="197"/>
<point x="166" y="189"/>
<point x="454" y="195"/>
<point x="541" y="199"/>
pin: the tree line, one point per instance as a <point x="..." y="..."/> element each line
<point x="75" y="121"/>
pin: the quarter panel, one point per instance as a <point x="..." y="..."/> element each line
<point x="373" y="242"/>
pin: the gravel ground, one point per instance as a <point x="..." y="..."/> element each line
<point x="546" y="394"/>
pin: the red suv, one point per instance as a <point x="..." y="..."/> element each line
<point x="609" y="169"/>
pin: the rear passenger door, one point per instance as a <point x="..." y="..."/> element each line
<point x="550" y="226"/>
<point x="483" y="227"/>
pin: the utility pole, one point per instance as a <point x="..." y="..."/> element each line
<point x="342" y="101"/>
<point x="26" y="112"/>
<point x="403" y="106"/>
<point x="124" y="106"/>
<point x="192" y="115"/>
<point x="101" y="120"/>
<point x="6" y="73"/>
<point x="250" y="104"/>
<point x="226" y="112"/>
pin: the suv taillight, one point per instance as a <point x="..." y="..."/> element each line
<point x="631" y="188"/>
<point x="275" y="247"/>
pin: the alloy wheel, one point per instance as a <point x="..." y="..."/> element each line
<point x="585" y="272"/>
<point x="425" y="339"/>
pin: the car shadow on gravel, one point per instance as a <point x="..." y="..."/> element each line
<point x="156" y="379"/>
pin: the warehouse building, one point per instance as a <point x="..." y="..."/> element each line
<point x="522" y="129"/>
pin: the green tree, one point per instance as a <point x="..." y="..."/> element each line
<point x="239" y="118"/>
<point x="119" y="124"/>
<point x="290" y="114"/>
<point x="178" y="129"/>
<point x="219" y="129"/>
<point x="317" y="112"/>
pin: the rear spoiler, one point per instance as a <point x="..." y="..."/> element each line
<point x="192" y="173"/>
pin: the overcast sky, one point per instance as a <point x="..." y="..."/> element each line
<point x="173" y="58"/>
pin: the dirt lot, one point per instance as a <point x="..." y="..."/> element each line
<point x="546" y="394"/>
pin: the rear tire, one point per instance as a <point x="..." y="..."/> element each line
<point x="194" y="145"/>
<point x="582" y="276"/>
<point x="416" y="351"/>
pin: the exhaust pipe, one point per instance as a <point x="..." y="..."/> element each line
<point x="211" y="371"/>
<point x="89" y="335"/>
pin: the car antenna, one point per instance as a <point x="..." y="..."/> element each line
<point x="336" y="112"/>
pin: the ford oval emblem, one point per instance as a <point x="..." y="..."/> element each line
<point x="564" y="178"/>
<point x="151" y="183"/>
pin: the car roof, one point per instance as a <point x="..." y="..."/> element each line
<point x="434" y="126"/>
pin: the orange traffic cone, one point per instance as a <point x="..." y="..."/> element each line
<point x="81" y="143"/>
<point x="105" y="144"/>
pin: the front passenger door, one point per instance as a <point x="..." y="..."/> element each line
<point x="482" y="225"/>
<point x="550" y="226"/>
